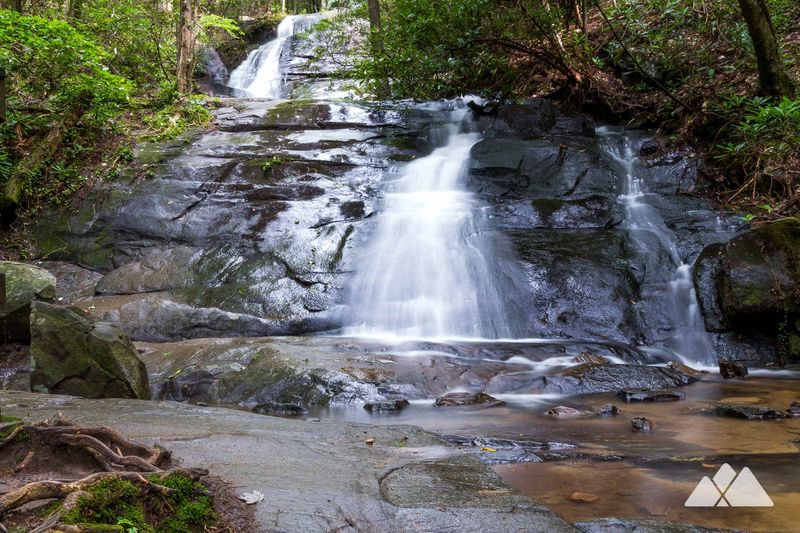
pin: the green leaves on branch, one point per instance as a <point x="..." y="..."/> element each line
<point x="50" y="62"/>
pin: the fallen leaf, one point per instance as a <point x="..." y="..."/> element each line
<point x="488" y="450"/>
<point x="251" y="498"/>
<point x="583" y="497"/>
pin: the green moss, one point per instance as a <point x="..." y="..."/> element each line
<point x="10" y="423"/>
<point x="337" y="257"/>
<point x="402" y="142"/>
<point x="107" y="503"/>
<point x="119" y="505"/>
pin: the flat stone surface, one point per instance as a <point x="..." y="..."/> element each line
<point x="424" y="486"/>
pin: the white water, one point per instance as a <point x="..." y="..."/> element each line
<point x="430" y="270"/>
<point x="689" y="338"/>
<point x="259" y="75"/>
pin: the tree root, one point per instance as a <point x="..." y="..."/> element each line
<point x="117" y="456"/>
<point x="97" y="441"/>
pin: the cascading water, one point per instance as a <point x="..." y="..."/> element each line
<point x="689" y="338"/>
<point x="259" y="75"/>
<point x="431" y="269"/>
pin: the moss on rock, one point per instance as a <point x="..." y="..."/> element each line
<point x="115" y="504"/>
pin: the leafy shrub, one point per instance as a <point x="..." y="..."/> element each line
<point x="762" y="143"/>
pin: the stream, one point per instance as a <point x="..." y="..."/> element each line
<point x="412" y="250"/>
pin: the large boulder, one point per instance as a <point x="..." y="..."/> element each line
<point x="71" y="354"/>
<point x="751" y="285"/>
<point x="23" y="284"/>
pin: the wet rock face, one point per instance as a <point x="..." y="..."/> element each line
<point x="587" y="379"/>
<point x="641" y="424"/>
<point x="555" y="197"/>
<point x="71" y="354"/>
<point x="23" y="284"/>
<point x="249" y="230"/>
<point x="752" y="285"/>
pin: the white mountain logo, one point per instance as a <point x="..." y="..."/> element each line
<point x="729" y="490"/>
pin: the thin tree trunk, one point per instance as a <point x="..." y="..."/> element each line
<point x="772" y="76"/>
<point x="376" y="40"/>
<point x="185" y="44"/>
<point x="375" y="24"/>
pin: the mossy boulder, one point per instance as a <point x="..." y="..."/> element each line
<point x="23" y="284"/>
<point x="71" y="354"/>
<point x="758" y="283"/>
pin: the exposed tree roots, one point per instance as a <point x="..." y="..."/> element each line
<point x="116" y="456"/>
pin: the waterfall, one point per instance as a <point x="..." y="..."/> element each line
<point x="689" y="338"/>
<point x="431" y="270"/>
<point x="259" y="75"/>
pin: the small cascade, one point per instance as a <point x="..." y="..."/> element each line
<point x="688" y="337"/>
<point x="431" y="270"/>
<point x="259" y="76"/>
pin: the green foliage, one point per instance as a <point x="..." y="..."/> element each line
<point x="210" y="23"/>
<point x="174" y="119"/>
<point x="50" y="61"/>
<point x="762" y="142"/>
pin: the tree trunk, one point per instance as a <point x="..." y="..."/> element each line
<point x="2" y="95"/>
<point x="376" y="41"/>
<point x="772" y="76"/>
<point x="185" y="44"/>
<point x="40" y="155"/>
<point x="375" y="25"/>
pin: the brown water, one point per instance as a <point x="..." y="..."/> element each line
<point x="642" y="475"/>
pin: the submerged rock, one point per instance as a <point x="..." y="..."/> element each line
<point x="622" y="525"/>
<point x="641" y="424"/>
<point x="609" y="409"/>
<point x="23" y="284"/>
<point x="455" y="399"/>
<point x="645" y="395"/>
<point x="732" y="370"/>
<point x="71" y="354"/>
<point x="386" y="407"/>
<point x="497" y="451"/>
<point x="749" y="412"/>
<point x="280" y="409"/>
<point x="562" y="411"/>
